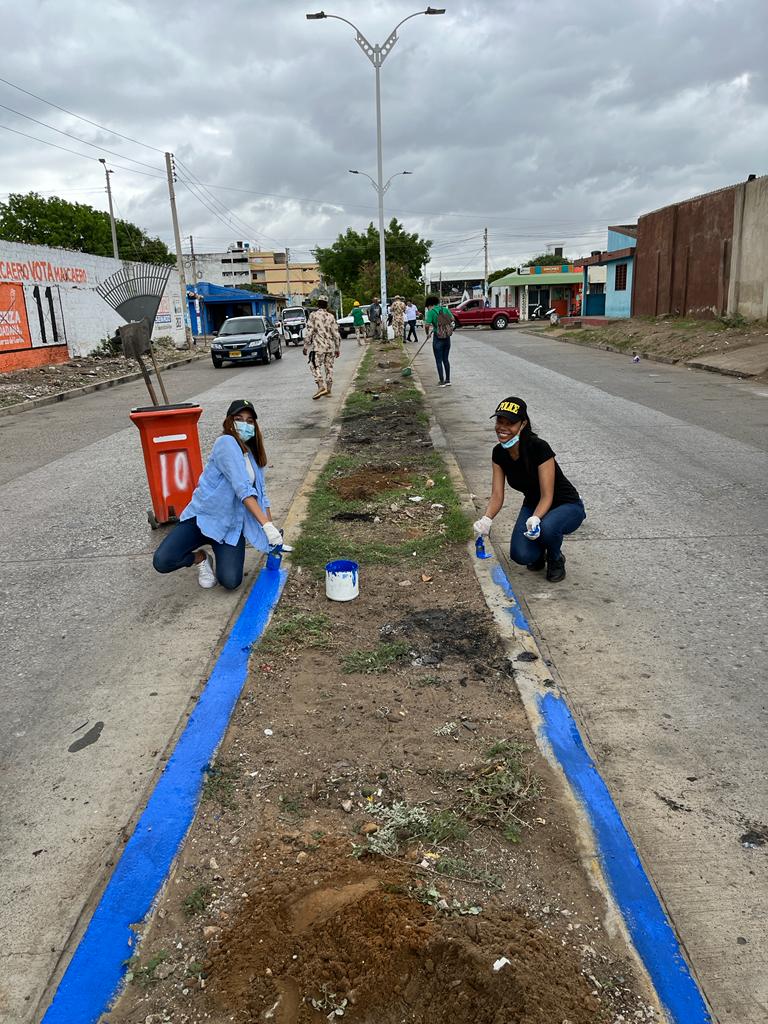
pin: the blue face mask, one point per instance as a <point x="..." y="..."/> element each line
<point x="245" y="430"/>
<point x="511" y="443"/>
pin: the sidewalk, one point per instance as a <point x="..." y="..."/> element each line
<point x="741" y="362"/>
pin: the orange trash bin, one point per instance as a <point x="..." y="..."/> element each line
<point x="171" y="447"/>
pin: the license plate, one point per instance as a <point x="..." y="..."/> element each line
<point x="234" y="355"/>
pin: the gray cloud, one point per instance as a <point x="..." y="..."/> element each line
<point x="543" y="122"/>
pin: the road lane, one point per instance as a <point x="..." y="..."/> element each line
<point x="658" y="632"/>
<point x="91" y="634"/>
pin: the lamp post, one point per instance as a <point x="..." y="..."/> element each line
<point x="115" y="253"/>
<point x="377" y="54"/>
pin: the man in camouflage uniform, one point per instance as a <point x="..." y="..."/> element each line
<point x="398" y="317"/>
<point x="323" y="341"/>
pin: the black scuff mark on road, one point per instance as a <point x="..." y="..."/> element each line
<point x="80" y="727"/>
<point x="755" y="836"/>
<point x="672" y="804"/>
<point x="85" y="741"/>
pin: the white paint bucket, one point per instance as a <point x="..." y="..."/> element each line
<point x="341" y="580"/>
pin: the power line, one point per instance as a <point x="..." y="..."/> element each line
<point x="82" y="142"/>
<point x="71" y="113"/>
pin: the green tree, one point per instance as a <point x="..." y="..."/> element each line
<point x="496" y="274"/>
<point x="353" y="260"/>
<point x="37" y="221"/>
<point x="546" y="259"/>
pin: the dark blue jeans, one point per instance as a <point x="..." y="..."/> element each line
<point x="554" y="525"/>
<point x="441" y="348"/>
<point x="177" y="552"/>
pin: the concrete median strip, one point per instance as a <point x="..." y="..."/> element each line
<point x="94" y="974"/>
<point x="610" y="856"/>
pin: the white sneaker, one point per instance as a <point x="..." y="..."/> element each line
<point x="206" y="577"/>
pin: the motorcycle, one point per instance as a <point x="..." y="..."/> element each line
<point x="293" y="333"/>
<point x="539" y="313"/>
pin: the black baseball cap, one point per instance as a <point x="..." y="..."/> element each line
<point x="239" y="405"/>
<point x="512" y="409"/>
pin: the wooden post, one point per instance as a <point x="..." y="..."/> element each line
<point x="159" y="377"/>
<point x="147" y="380"/>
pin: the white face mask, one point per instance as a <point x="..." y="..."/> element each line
<point x="245" y="430"/>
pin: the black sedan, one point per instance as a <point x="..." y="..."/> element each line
<point x="246" y="339"/>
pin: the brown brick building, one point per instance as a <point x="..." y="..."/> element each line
<point x="705" y="257"/>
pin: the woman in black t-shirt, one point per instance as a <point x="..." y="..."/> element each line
<point x="551" y="504"/>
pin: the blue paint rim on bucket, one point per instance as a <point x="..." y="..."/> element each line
<point x="342" y="565"/>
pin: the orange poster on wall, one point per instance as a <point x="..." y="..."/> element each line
<point x="14" y="326"/>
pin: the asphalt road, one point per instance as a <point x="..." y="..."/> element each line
<point x="658" y="634"/>
<point x="96" y="645"/>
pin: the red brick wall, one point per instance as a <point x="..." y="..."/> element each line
<point x="683" y="258"/>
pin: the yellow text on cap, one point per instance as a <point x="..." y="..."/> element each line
<point x="509" y="407"/>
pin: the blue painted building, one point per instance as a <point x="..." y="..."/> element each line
<point x="211" y="304"/>
<point x="619" y="261"/>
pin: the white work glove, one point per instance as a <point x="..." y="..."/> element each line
<point x="483" y="526"/>
<point x="273" y="534"/>
<point x="532" y="527"/>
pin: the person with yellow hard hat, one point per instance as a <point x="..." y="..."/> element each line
<point x="358" y="319"/>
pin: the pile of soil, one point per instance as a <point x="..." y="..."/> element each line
<point x="43" y="381"/>
<point x="366" y="483"/>
<point x="287" y="904"/>
<point x="673" y="339"/>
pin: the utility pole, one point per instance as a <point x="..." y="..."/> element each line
<point x="194" y="262"/>
<point x="440" y="287"/>
<point x="485" y="276"/>
<point x="288" y="274"/>
<point x="115" y="253"/>
<point x="179" y="259"/>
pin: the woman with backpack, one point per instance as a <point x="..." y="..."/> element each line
<point x="438" y="320"/>
<point x="551" y="505"/>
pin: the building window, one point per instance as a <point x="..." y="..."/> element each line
<point x="597" y="288"/>
<point x="226" y="261"/>
<point x="620" y="283"/>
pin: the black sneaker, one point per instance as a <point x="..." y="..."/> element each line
<point x="538" y="565"/>
<point x="556" y="569"/>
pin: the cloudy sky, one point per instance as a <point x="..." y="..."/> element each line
<point x="542" y="122"/>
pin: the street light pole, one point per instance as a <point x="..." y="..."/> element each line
<point x="377" y="54"/>
<point x="115" y="253"/>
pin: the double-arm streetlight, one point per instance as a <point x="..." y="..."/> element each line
<point x="377" y="54"/>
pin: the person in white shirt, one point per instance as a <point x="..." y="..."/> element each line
<point x="411" y="315"/>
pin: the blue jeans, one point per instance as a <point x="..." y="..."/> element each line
<point x="554" y="525"/>
<point x="441" y="348"/>
<point x="177" y="552"/>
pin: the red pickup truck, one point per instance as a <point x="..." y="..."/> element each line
<point x="474" y="313"/>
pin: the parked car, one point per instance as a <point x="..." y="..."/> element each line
<point x="475" y="313"/>
<point x="347" y="325"/>
<point x="246" y="339"/>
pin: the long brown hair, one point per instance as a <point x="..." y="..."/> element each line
<point x="255" y="446"/>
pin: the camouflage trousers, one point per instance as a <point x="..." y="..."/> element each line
<point x="322" y="369"/>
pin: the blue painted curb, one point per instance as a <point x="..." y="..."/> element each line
<point x="645" y="918"/>
<point x="96" y="970"/>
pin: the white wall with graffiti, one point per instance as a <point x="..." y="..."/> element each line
<point x="51" y="308"/>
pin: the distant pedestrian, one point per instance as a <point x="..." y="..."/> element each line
<point x="228" y="507"/>
<point x="411" y="315"/>
<point x="358" y="320"/>
<point x="374" y="318"/>
<point x="323" y="340"/>
<point x="551" y="504"/>
<point x="439" y="324"/>
<point x="398" y="316"/>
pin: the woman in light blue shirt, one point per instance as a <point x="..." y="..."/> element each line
<point x="229" y="507"/>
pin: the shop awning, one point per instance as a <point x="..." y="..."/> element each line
<point x="537" y="280"/>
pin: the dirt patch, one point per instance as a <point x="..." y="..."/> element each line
<point x="672" y="339"/>
<point x="43" y="381"/>
<point x="365" y="483"/>
<point x="380" y="830"/>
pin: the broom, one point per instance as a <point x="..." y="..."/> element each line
<point x="407" y="371"/>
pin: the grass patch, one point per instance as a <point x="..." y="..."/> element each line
<point x="300" y="630"/>
<point x="219" y="785"/>
<point x="503" y="788"/>
<point x="197" y="901"/>
<point x="377" y="660"/>
<point x="457" y="867"/>
<point x="292" y="805"/>
<point x="144" y="974"/>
